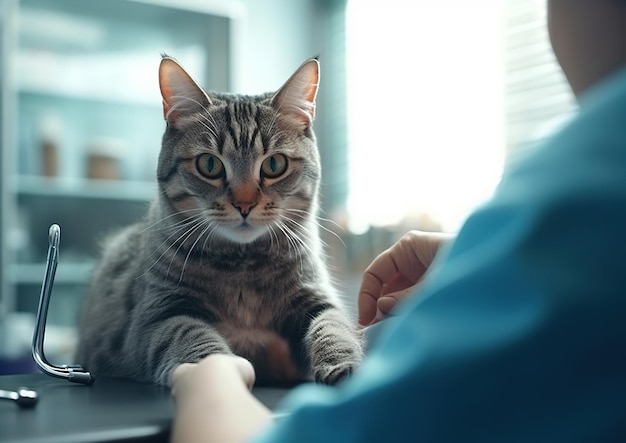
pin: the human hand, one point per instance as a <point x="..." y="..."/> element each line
<point x="213" y="401"/>
<point x="395" y="273"/>
<point x="216" y="368"/>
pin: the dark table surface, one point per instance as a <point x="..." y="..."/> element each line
<point x="109" y="410"/>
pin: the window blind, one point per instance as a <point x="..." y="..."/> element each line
<point x="537" y="96"/>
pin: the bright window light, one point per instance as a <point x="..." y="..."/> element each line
<point x="426" y="109"/>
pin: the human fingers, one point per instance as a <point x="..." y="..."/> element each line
<point x="381" y="271"/>
<point x="426" y="245"/>
<point x="398" y="283"/>
<point x="397" y="268"/>
<point x="388" y="302"/>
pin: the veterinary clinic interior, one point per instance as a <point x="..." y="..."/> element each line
<point x="413" y="124"/>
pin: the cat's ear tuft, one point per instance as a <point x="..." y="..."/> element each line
<point x="181" y="94"/>
<point x="296" y="98"/>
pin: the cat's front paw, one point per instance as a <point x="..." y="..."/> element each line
<point x="332" y="374"/>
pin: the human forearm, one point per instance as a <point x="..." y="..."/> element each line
<point x="213" y="403"/>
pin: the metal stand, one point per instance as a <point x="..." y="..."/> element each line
<point x="73" y="373"/>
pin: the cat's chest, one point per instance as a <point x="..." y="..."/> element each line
<point x="250" y="329"/>
<point x="249" y="307"/>
<point x="246" y="308"/>
<point x="245" y="298"/>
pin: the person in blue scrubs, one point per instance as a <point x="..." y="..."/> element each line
<point x="515" y="330"/>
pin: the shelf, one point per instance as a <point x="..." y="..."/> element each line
<point x="54" y="187"/>
<point x="126" y="77"/>
<point x="87" y="96"/>
<point x="67" y="273"/>
<point x="89" y="76"/>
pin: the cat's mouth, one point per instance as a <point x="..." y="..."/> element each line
<point x="243" y="232"/>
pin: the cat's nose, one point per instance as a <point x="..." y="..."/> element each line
<point x="244" y="208"/>
<point x="244" y="198"/>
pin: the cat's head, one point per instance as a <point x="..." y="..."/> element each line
<point x="243" y="166"/>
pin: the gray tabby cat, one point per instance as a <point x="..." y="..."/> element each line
<point x="228" y="258"/>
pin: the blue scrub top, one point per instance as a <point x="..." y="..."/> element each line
<point x="519" y="332"/>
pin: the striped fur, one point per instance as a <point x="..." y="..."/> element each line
<point x="231" y="264"/>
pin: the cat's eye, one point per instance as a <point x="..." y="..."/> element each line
<point x="210" y="166"/>
<point x="274" y="166"/>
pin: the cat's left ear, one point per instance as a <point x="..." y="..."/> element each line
<point x="181" y="94"/>
<point x="296" y="98"/>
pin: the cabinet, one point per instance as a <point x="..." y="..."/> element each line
<point x="81" y="128"/>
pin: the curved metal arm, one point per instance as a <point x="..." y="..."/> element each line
<point x="73" y="373"/>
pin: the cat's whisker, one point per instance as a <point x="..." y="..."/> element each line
<point x="272" y="234"/>
<point x="182" y="224"/>
<point x="321" y="226"/>
<point x="177" y="227"/>
<point x="288" y="235"/>
<point x="213" y="235"/>
<point x="164" y="242"/>
<point x="333" y="233"/>
<point x="168" y="217"/>
<point x="209" y="236"/>
<point x="291" y="242"/>
<point x="309" y="213"/>
<point x="304" y="230"/>
<point x="308" y="233"/>
<point x="298" y="239"/>
<point x="183" y="239"/>
<point x="209" y="225"/>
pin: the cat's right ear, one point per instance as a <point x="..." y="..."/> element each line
<point x="181" y="94"/>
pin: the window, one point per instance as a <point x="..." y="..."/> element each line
<point x="440" y="96"/>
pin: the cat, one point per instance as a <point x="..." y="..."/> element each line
<point x="228" y="258"/>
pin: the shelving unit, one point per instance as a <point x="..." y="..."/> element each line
<point x="82" y="122"/>
<point x="89" y="189"/>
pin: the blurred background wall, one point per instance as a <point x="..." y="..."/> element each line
<point x="422" y="104"/>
